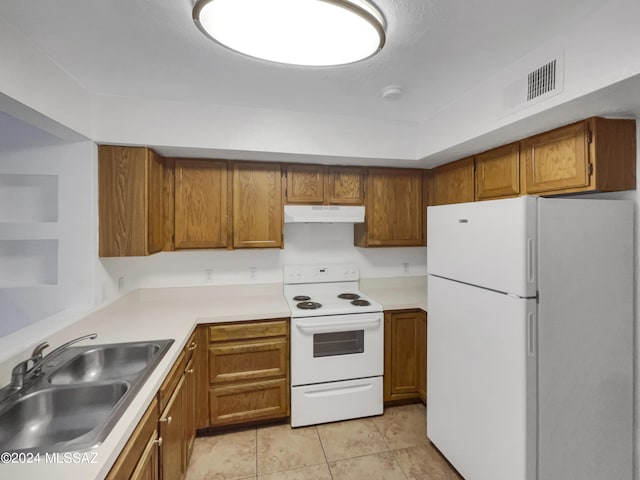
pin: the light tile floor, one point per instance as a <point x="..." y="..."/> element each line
<point x="390" y="447"/>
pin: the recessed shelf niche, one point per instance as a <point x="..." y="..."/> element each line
<point x="28" y="263"/>
<point x="28" y="198"/>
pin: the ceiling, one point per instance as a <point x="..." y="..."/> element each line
<point x="436" y="51"/>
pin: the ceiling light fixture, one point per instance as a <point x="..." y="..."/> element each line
<point x="297" y="32"/>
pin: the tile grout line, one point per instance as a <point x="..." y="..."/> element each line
<point x="326" y="460"/>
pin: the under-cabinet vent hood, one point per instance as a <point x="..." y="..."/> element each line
<point x="323" y="214"/>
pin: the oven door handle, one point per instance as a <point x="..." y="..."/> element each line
<point x="323" y="326"/>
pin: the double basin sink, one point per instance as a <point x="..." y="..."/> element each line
<point x="78" y="397"/>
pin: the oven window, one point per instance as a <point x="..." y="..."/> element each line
<point x="338" y="343"/>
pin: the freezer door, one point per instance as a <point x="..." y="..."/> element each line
<point x="482" y="380"/>
<point x="491" y="244"/>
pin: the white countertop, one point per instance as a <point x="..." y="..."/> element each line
<point x="151" y="314"/>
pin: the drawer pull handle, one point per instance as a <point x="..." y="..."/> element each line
<point x="193" y="346"/>
<point x="168" y="420"/>
<point x="189" y="371"/>
<point x="158" y="442"/>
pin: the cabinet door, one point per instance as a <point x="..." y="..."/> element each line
<point x="401" y="351"/>
<point x="305" y="184"/>
<point x="130" y="201"/>
<point x="172" y="461"/>
<point x="557" y="160"/>
<point x="345" y="186"/>
<point x="147" y="468"/>
<point x="201" y="204"/>
<point x="498" y="173"/>
<point x="189" y="410"/>
<point x="249" y="401"/>
<point x="394" y="209"/>
<point x="257" y="205"/>
<point x="201" y="372"/>
<point x="421" y="356"/>
<point x="454" y="182"/>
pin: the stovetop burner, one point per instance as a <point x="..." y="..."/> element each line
<point x="360" y="303"/>
<point x="349" y="296"/>
<point x="308" y="305"/>
<point x="301" y="298"/>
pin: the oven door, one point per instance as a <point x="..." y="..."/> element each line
<point x="337" y="347"/>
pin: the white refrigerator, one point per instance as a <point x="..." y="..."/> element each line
<point x="530" y="331"/>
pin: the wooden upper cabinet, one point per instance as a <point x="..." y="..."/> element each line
<point x="130" y="199"/>
<point x="201" y="204"/>
<point x="394" y="206"/>
<point x="594" y="154"/>
<point x="257" y="205"/>
<point x="305" y="184"/>
<point x="319" y="184"/>
<point x="498" y="173"/>
<point x="345" y="186"/>
<point x="454" y="182"/>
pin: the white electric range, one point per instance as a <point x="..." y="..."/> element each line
<point x="337" y="345"/>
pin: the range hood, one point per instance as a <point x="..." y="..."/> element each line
<point x="323" y="214"/>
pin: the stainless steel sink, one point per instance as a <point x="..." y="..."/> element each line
<point x="78" y="397"/>
<point x="57" y="416"/>
<point x="106" y="362"/>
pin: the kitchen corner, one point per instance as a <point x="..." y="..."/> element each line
<point x="148" y="314"/>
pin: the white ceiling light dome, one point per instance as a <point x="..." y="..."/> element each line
<point x="297" y="32"/>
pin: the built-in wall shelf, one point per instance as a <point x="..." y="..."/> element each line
<point x="27" y="198"/>
<point x="28" y="263"/>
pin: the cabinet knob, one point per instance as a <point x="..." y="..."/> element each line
<point x="193" y="346"/>
<point x="189" y="371"/>
<point x="158" y="442"/>
<point x="167" y="419"/>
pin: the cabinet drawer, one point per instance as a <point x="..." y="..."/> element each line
<point x="249" y="401"/>
<point x="260" y="358"/>
<point x="135" y="447"/>
<point x="242" y="331"/>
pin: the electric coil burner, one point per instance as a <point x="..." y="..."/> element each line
<point x="337" y="345"/>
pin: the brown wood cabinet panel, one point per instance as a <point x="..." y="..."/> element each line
<point x="403" y="354"/>
<point x="394" y="209"/>
<point x="172" y="461"/>
<point x="249" y="401"/>
<point x="135" y="447"/>
<point x="305" y="184"/>
<point x="595" y="154"/>
<point x="169" y="385"/>
<point x="201" y="372"/>
<point x="422" y="357"/>
<point x="257" y="205"/>
<point x="345" y="186"/>
<point x="130" y="201"/>
<point x="454" y="182"/>
<point x="557" y="160"/>
<point x="498" y="173"/>
<point x="246" y="330"/>
<point x="427" y="199"/>
<point x="148" y="467"/>
<point x="189" y="409"/>
<point x="201" y="204"/>
<point x="248" y="360"/>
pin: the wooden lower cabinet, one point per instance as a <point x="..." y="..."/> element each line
<point x="172" y="458"/>
<point x="147" y="468"/>
<point x="404" y="354"/>
<point x="248" y="372"/>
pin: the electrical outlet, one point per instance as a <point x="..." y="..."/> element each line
<point x="405" y="268"/>
<point x="120" y="284"/>
<point x="208" y="275"/>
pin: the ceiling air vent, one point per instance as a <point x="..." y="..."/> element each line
<point x="541" y="81"/>
<point x="525" y="86"/>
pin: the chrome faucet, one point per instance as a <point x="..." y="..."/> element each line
<point x="22" y="374"/>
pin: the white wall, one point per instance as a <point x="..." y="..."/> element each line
<point x="304" y="243"/>
<point x="47" y="224"/>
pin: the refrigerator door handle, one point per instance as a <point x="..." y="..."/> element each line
<point x="531" y="335"/>
<point x="530" y="260"/>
